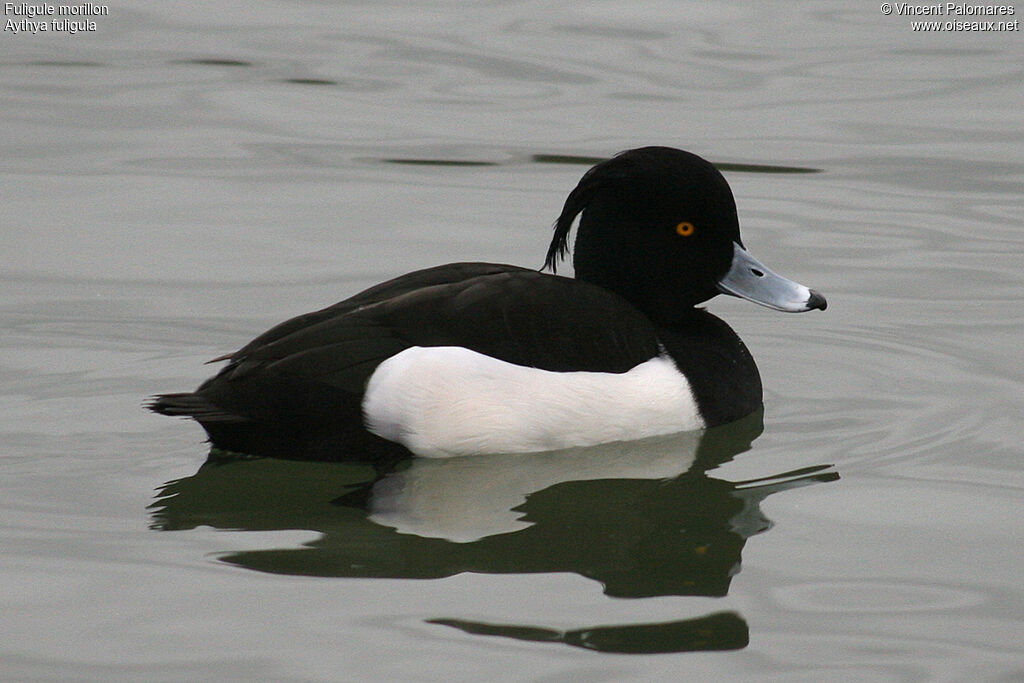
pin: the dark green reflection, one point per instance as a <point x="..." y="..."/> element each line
<point x="63" y="63"/>
<point x="735" y="168"/>
<point x="764" y="168"/>
<point x="721" y="631"/>
<point x="582" y="160"/>
<point x="638" y="537"/>
<point x="440" y="162"/>
<point x="642" y="519"/>
<point x="572" y="159"/>
<point x="212" y="61"/>
<point x="309" y="81"/>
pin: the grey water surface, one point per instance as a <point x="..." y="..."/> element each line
<point x="186" y="174"/>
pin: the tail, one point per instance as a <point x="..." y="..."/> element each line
<point x="191" y="405"/>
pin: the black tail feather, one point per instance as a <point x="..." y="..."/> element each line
<point x="191" y="405"/>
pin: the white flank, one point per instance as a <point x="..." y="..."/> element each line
<point x="445" y="401"/>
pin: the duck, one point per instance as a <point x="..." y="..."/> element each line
<point x="481" y="358"/>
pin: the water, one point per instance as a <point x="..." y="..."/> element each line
<point x="186" y="175"/>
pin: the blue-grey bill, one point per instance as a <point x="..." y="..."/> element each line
<point x="749" y="279"/>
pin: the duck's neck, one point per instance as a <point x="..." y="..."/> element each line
<point x="721" y="371"/>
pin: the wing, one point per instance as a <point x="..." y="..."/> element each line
<point x="514" y="314"/>
<point x="428" y="277"/>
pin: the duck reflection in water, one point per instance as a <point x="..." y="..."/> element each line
<point x="644" y="519"/>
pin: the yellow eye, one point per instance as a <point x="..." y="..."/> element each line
<point x="685" y="229"/>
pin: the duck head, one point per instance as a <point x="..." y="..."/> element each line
<point x="658" y="226"/>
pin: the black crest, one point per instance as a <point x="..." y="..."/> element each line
<point x="574" y="204"/>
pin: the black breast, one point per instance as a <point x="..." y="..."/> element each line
<point x="721" y="371"/>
